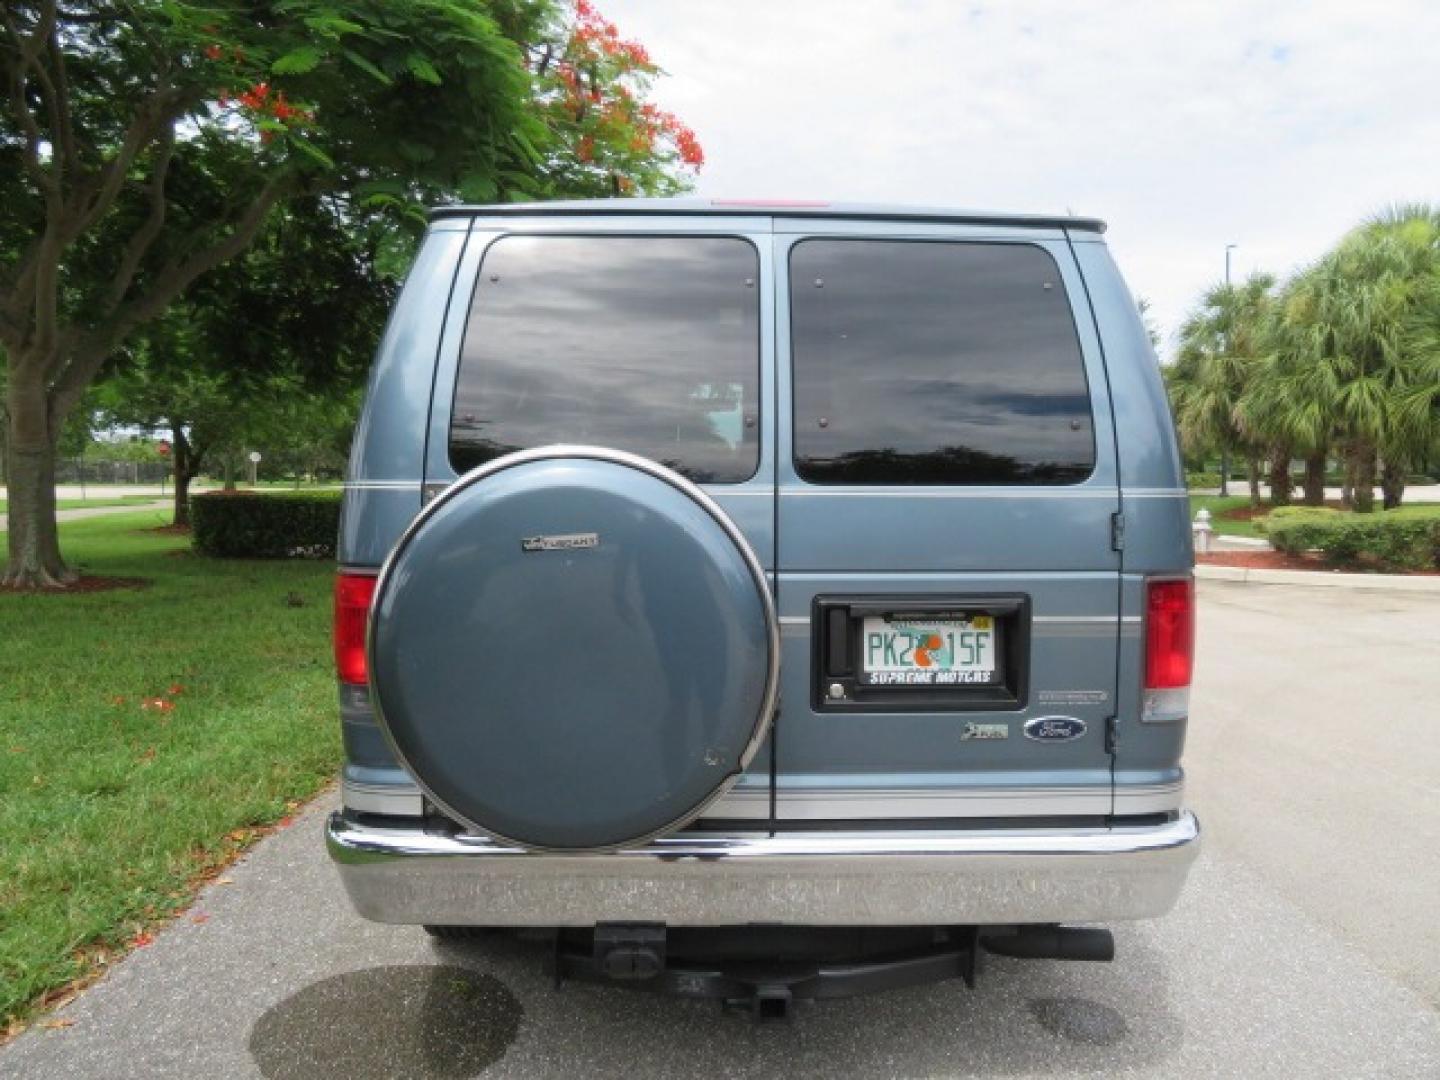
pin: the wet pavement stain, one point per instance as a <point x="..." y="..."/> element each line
<point x="412" y="1021"/>
<point x="1080" y="1020"/>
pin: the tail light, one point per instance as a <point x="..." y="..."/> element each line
<point x="1169" y="647"/>
<point x="353" y="593"/>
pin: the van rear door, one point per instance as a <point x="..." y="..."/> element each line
<point x="947" y="489"/>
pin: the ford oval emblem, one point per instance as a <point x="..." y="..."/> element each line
<point x="1054" y="728"/>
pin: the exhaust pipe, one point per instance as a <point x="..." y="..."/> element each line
<point x="1054" y="943"/>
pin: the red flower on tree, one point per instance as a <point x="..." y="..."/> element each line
<point x="594" y="84"/>
<point x="264" y="105"/>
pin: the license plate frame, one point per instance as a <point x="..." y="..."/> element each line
<point x="836" y="639"/>
<point x="952" y="650"/>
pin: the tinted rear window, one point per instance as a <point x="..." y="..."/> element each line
<point x="645" y="344"/>
<point x="920" y="362"/>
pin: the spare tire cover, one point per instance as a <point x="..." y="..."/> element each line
<point x="573" y="648"/>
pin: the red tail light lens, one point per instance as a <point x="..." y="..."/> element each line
<point x="1169" y="633"/>
<point x="353" y="593"/>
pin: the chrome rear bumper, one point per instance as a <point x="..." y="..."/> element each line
<point x="406" y="875"/>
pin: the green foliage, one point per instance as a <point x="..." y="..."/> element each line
<point x="1344" y="359"/>
<point x="114" y="807"/>
<point x="1289" y="513"/>
<point x="1202" y="480"/>
<point x="1398" y="539"/>
<point x="271" y="526"/>
<point x="123" y="448"/>
<point x="1220" y="343"/>
<point x="143" y="145"/>
<point x="592" y="86"/>
<point x="1284" y="514"/>
<point x="268" y="352"/>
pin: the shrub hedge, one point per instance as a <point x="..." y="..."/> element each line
<point x="278" y="525"/>
<point x="1407" y="539"/>
<point x="1202" y="480"/>
<point x="1282" y="514"/>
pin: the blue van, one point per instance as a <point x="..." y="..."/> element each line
<point x="769" y="601"/>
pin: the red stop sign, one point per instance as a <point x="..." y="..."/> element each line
<point x="163" y="448"/>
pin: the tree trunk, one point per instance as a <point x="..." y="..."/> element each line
<point x="1252" y="469"/>
<point x="33" y="544"/>
<point x="1225" y="471"/>
<point x="186" y="466"/>
<point x="1392" y="484"/>
<point x="1280" y="476"/>
<point x="1364" y="479"/>
<point x="1315" y="479"/>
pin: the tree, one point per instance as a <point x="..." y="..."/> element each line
<point x="295" y="316"/>
<point x="144" y="143"/>
<point x="1220" y="342"/>
<point x="1362" y="321"/>
<point x="1285" y="401"/>
<point x="592" y="91"/>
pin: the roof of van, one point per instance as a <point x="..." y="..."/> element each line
<point x="779" y="207"/>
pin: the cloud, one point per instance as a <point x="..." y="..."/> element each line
<point x="1187" y="126"/>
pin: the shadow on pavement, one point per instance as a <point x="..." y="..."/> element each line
<point x="411" y="1020"/>
<point x="1038" y="1018"/>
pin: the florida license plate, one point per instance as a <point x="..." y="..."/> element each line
<point x="950" y="650"/>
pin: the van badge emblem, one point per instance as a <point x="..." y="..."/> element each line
<point x="1054" y="728"/>
<point x="985" y="731"/>
<point x="562" y="542"/>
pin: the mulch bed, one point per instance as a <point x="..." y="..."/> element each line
<point x="86" y="584"/>
<point x="1278" y="560"/>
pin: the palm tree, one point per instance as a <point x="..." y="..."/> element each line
<point x="1360" y="350"/>
<point x="1288" y="400"/>
<point x="1415" y="420"/>
<point x="1220" y="344"/>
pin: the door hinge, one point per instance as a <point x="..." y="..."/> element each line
<point x="1112" y="733"/>
<point x="1117" y="531"/>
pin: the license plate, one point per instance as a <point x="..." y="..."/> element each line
<point x="950" y="650"/>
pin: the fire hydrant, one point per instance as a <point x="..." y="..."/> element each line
<point x="1203" y="532"/>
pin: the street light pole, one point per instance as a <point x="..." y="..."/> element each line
<point x="1225" y="449"/>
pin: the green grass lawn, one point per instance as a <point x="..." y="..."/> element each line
<point x="87" y="504"/>
<point x="1217" y="506"/>
<point x="113" y="807"/>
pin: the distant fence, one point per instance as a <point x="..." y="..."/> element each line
<point x="68" y="471"/>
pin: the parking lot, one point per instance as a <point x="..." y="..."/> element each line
<point x="1306" y="943"/>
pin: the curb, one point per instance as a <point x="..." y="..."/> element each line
<point x="1243" y="541"/>
<point x="1322" y="578"/>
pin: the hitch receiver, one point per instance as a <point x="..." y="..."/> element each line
<point x="630" y="952"/>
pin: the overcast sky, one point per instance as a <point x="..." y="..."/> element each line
<point x="1187" y="126"/>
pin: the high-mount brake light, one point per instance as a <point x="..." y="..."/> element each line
<point x="780" y="204"/>
<point x="353" y="594"/>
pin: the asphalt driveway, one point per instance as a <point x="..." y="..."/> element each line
<point x="1306" y="944"/>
